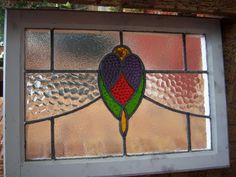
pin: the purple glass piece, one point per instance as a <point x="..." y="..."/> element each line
<point x="110" y="69"/>
<point x="132" y="68"/>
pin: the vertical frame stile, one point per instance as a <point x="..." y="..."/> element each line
<point x="24" y="96"/>
<point x="13" y="120"/>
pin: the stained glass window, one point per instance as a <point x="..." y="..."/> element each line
<point x="93" y="94"/>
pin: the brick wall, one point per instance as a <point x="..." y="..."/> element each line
<point x="1" y="139"/>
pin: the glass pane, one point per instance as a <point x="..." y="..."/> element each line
<point x="37" y="49"/>
<point x="196" y="52"/>
<point x="200" y="133"/>
<point x="157" y="51"/>
<point x="38" y="141"/>
<point x="92" y="131"/>
<point x="80" y="50"/>
<point x="50" y="94"/>
<point x="186" y="92"/>
<point x="155" y="129"/>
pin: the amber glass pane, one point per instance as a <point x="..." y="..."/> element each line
<point x="50" y="94"/>
<point x="92" y="131"/>
<point x="38" y="141"/>
<point x="37" y="49"/>
<point x="155" y="129"/>
<point x="186" y="92"/>
<point x="200" y="133"/>
<point x="157" y="51"/>
<point x="196" y="52"/>
<point x="82" y="49"/>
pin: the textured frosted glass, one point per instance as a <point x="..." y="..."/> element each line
<point x="37" y="49"/>
<point x="38" y="141"/>
<point x="82" y="49"/>
<point x="196" y="52"/>
<point x="49" y="94"/>
<point x="155" y="129"/>
<point x="157" y="51"/>
<point x="92" y="131"/>
<point x="186" y="92"/>
<point x="200" y="133"/>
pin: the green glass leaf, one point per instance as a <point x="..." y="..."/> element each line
<point x="110" y="102"/>
<point x="132" y="105"/>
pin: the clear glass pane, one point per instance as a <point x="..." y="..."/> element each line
<point x="92" y="131"/>
<point x="200" y="133"/>
<point x="82" y="50"/>
<point x="186" y="92"/>
<point x="155" y="129"/>
<point x="50" y="94"/>
<point x="156" y="50"/>
<point x="37" y="49"/>
<point x="38" y="141"/>
<point x="196" y="52"/>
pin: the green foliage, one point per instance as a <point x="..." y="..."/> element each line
<point x="113" y="106"/>
<point x="132" y="105"/>
<point x="67" y="5"/>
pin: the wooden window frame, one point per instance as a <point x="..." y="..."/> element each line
<point x="16" y="166"/>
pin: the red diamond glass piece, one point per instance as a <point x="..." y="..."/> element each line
<point x="121" y="90"/>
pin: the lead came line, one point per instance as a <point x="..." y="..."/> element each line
<point x="184" y="52"/>
<point x="121" y="37"/>
<point x="175" y="110"/>
<point x="63" y="114"/>
<point x="189" y="132"/>
<point x="79" y="108"/>
<point x="52" y="49"/>
<point x="177" y="71"/>
<point x="53" y="138"/>
<point x="96" y="71"/>
<point x="124" y="146"/>
<point x="61" y="71"/>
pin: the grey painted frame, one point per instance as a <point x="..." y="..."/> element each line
<point x="15" y="166"/>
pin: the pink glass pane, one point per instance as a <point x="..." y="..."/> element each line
<point x="196" y="52"/>
<point x="38" y="141"/>
<point x="185" y="92"/>
<point x="157" y="51"/>
<point x="156" y="129"/>
<point x="200" y="133"/>
<point x="92" y="131"/>
<point x="37" y="49"/>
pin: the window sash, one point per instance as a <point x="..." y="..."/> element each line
<point x="18" y="20"/>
